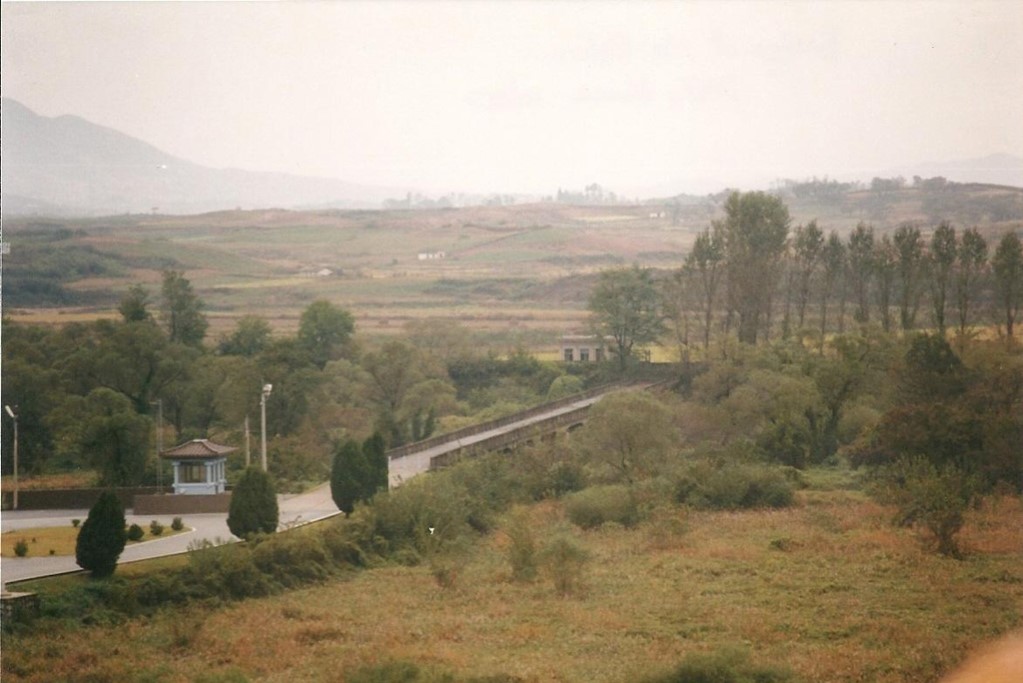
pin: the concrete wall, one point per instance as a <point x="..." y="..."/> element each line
<point x="74" y="499"/>
<point x="182" y="504"/>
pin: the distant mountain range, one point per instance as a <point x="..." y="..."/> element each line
<point x="66" y="165"/>
<point x="69" y="166"/>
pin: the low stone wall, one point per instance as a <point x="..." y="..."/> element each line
<point x="18" y="607"/>
<point x="181" y="504"/>
<point x="75" y="499"/>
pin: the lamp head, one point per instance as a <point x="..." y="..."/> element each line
<point x="10" y="412"/>
<point x="267" y="388"/>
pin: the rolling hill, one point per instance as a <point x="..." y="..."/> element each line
<point x="66" y="165"/>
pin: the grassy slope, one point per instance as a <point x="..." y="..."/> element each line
<point x="828" y="588"/>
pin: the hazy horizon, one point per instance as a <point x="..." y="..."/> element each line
<point x="527" y="97"/>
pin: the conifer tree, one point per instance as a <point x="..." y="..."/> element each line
<point x="253" y="508"/>
<point x="102" y="537"/>
<point x="374" y="450"/>
<point x="348" y="476"/>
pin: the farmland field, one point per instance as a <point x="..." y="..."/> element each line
<point x="517" y="273"/>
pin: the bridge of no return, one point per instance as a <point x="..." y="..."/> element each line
<point x="565" y="414"/>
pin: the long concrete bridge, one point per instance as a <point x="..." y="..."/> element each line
<point x="568" y="413"/>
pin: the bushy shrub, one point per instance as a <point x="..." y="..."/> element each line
<point x="292" y="559"/>
<point x="135" y="533"/>
<point x="934" y="497"/>
<point x="598" y="505"/>
<point x="564" y="561"/>
<point x="727" y="665"/>
<point x="21" y="548"/>
<point x="226" y="571"/>
<point x="403" y="518"/>
<point x="155" y="528"/>
<point x="523" y="555"/>
<point x="734" y="486"/>
<point x="177" y="524"/>
<point x="75" y="522"/>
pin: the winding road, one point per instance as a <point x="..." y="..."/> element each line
<point x="295" y="509"/>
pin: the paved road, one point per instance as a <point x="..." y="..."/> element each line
<point x="404" y="468"/>
<point x="295" y="509"/>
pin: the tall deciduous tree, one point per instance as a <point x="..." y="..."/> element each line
<point x="102" y="537"/>
<point x="942" y="261"/>
<point x="324" y="331"/>
<point x="885" y="269"/>
<point x="971" y="260"/>
<point x="706" y="262"/>
<point x="250" y="337"/>
<point x="756" y="228"/>
<point x="808" y="250"/>
<point x="910" y="247"/>
<point x="861" y="268"/>
<point x="182" y="310"/>
<point x="632" y="433"/>
<point x="407" y="390"/>
<point x="253" y="508"/>
<point x="1007" y="264"/>
<point x="833" y="265"/>
<point x="113" y="437"/>
<point x="624" y="307"/>
<point x="134" y="307"/>
<point x="676" y="302"/>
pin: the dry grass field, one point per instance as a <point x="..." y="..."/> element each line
<point x="828" y="588"/>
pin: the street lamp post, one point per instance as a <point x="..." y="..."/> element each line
<point x="14" y="496"/>
<point x="267" y="388"/>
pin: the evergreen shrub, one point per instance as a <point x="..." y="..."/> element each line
<point x="102" y="537"/>
<point x="253" y="508"/>
<point x="135" y="533"/>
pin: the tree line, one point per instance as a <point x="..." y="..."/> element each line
<point x="89" y="395"/>
<point x="750" y="276"/>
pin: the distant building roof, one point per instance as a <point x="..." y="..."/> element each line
<point x="199" y="449"/>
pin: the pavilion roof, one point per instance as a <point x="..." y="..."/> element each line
<point x="198" y="449"/>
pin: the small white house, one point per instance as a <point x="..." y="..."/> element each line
<point x="200" y="466"/>
<point x="431" y="255"/>
<point x="583" y="348"/>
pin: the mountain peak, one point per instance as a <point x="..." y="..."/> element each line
<point x="86" y="168"/>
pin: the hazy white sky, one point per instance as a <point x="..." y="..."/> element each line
<point x="530" y="96"/>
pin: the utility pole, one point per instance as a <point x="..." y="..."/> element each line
<point x="14" y="496"/>
<point x="267" y="388"/>
<point x="248" y="458"/>
<point x="159" y="440"/>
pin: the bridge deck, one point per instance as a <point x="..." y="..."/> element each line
<point x="405" y="467"/>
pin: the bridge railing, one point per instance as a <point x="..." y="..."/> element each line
<point x="499" y="441"/>
<point x="473" y="430"/>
